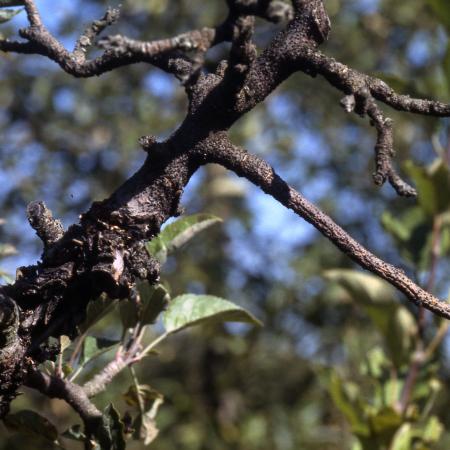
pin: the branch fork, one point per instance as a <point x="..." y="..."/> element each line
<point x="104" y="252"/>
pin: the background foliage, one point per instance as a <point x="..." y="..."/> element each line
<point x="329" y="367"/>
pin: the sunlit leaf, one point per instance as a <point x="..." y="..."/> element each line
<point x="433" y="430"/>
<point x="392" y="389"/>
<point x="176" y="234"/>
<point x="403" y="437"/>
<point x="189" y="309"/>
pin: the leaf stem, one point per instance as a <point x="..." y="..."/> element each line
<point x="136" y="386"/>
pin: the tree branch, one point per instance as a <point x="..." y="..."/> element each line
<point x="51" y="296"/>
<point x="260" y="173"/>
<point x="73" y="394"/>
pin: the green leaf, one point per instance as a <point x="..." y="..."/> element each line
<point x="348" y="406"/>
<point x="446" y="67"/>
<point x="176" y="234"/>
<point x="150" y="302"/>
<point x="433" y="430"/>
<point x="116" y="427"/>
<point x="129" y="313"/>
<point x="385" y="423"/>
<point x="378" y="299"/>
<point x="392" y="390"/>
<point x="440" y="9"/>
<point x="110" y="434"/>
<point x="376" y="362"/>
<point x="7" y="14"/>
<point x="96" y="310"/>
<point x="433" y="185"/>
<point x="30" y="422"/>
<point x="154" y="300"/>
<point x="94" y="347"/>
<point x="403" y="438"/>
<point x="189" y="309"/>
<point x="412" y="234"/>
<point x="362" y="286"/>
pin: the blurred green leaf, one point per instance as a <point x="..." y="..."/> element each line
<point x="177" y="233"/>
<point x="433" y="185"/>
<point x="129" y="313"/>
<point x="446" y="67"/>
<point x="30" y="422"/>
<point x="7" y="14"/>
<point x="402" y="85"/>
<point x="96" y="310"/>
<point x="392" y="390"/>
<point x="395" y="323"/>
<point x="440" y="8"/>
<point x="150" y="302"/>
<point x="403" y="438"/>
<point x="433" y="430"/>
<point x="350" y="408"/>
<point x="189" y="309"/>
<point x="94" y="347"/>
<point x="362" y="286"/>
<point x="385" y="423"/>
<point x="110" y="434"/>
<point x="376" y="362"/>
<point x="154" y="300"/>
<point x="412" y="234"/>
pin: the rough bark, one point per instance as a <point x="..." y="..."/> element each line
<point x="104" y="252"/>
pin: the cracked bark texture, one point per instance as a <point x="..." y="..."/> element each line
<point x="104" y="252"/>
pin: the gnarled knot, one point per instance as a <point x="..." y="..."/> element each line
<point x="49" y="229"/>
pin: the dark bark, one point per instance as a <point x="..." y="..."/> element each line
<point x="104" y="252"/>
